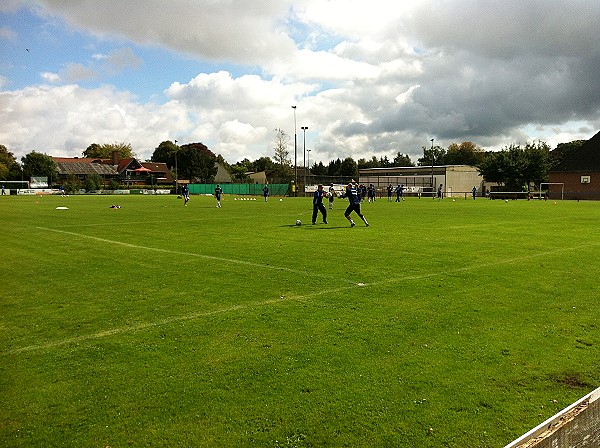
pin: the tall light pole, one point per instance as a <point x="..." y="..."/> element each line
<point x="304" y="129"/>
<point x="308" y="151"/>
<point x="295" y="156"/>
<point x="176" y="183"/>
<point x="432" y="186"/>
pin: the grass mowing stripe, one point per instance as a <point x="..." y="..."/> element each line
<point x="175" y="319"/>
<point x="303" y="297"/>
<point x="192" y="254"/>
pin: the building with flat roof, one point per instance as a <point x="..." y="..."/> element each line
<point x="456" y="180"/>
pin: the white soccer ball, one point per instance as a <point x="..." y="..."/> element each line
<point x="280" y="200"/>
<point x="298" y="222"/>
<point x="506" y="200"/>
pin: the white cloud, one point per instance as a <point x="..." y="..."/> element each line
<point x="52" y="78"/>
<point x="65" y="120"/>
<point x="7" y="33"/>
<point x="369" y="78"/>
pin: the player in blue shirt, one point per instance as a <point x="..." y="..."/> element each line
<point x="218" y="193"/>
<point x="185" y="192"/>
<point x="353" y="195"/>
<point x="318" y="205"/>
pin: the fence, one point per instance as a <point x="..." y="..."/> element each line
<point x="578" y="425"/>
<point x="241" y="189"/>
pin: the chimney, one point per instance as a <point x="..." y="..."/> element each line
<point x="115" y="158"/>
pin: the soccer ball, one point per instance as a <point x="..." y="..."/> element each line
<point x="298" y="222"/>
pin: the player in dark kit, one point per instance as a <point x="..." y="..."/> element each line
<point x="353" y="195"/>
<point x="186" y="194"/>
<point x="318" y="205"/>
<point x="218" y="193"/>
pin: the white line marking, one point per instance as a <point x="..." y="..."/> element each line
<point x="193" y="254"/>
<point x="303" y="297"/>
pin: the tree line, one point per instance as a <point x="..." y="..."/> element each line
<point x="514" y="166"/>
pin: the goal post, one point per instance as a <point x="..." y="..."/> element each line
<point x="562" y="188"/>
<point x="20" y="184"/>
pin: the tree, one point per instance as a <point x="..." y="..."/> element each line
<point x="282" y="161"/>
<point x="537" y="157"/>
<point x="96" y="151"/>
<point x="402" y="160"/>
<point x="165" y="153"/>
<point x="318" y="169"/>
<point x="384" y="162"/>
<point x="564" y="149"/>
<point x="349" y="168"/>
<point x="93" y="182"/>
<point x="196" y="162"/>
<point x="517" y="167"/>
<point x="263" y="164"/>
<point x="72" y="184"/>
<point x="432" y="156"/>
<point x="363" y="163"/>
<point x="467" y="153"/>
<point x="9" y="168"/>
<point x="39" y="165"/>
<point x="334" y="168"/>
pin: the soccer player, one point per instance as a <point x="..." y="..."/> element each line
<point x="371" y="192"/>
<point x="266" y="192"/>
<point x="353" y="195"/>
<point x="185" y="192"/>
<point x="318" y="205"/>
<point x="331" y="196"/>
<point x="218" y="193"/>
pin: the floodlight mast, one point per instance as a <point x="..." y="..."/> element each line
<point x="295" y="156"/>
<point x="304" y="128"/>
<point x="432" y="159"/>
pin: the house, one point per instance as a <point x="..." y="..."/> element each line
<point x="128" y="171"/>
<point x="133" y="172"/>
<point x="577" y="175"/>
<point x="81" y="168"/>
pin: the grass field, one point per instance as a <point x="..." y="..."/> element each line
<point x="444" y="324"/>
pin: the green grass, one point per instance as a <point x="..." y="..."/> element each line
<point x="163" y="325"/>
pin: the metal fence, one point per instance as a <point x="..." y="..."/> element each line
<point x="241" y="189"/>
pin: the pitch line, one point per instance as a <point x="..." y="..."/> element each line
<point x="197" y="255"/>
<point x="300" y="298"/>
<point x="173" y="319"/>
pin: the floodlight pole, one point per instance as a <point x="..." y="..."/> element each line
<point x="295" y="156"/>
<point x="176" y="182"/>
<point x="304" y="128"/>
<point x="432" y="158"/>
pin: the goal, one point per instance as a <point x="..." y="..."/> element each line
<point x="562" y="188"/>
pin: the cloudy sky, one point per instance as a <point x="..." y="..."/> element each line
<point x="368" y="78"/>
